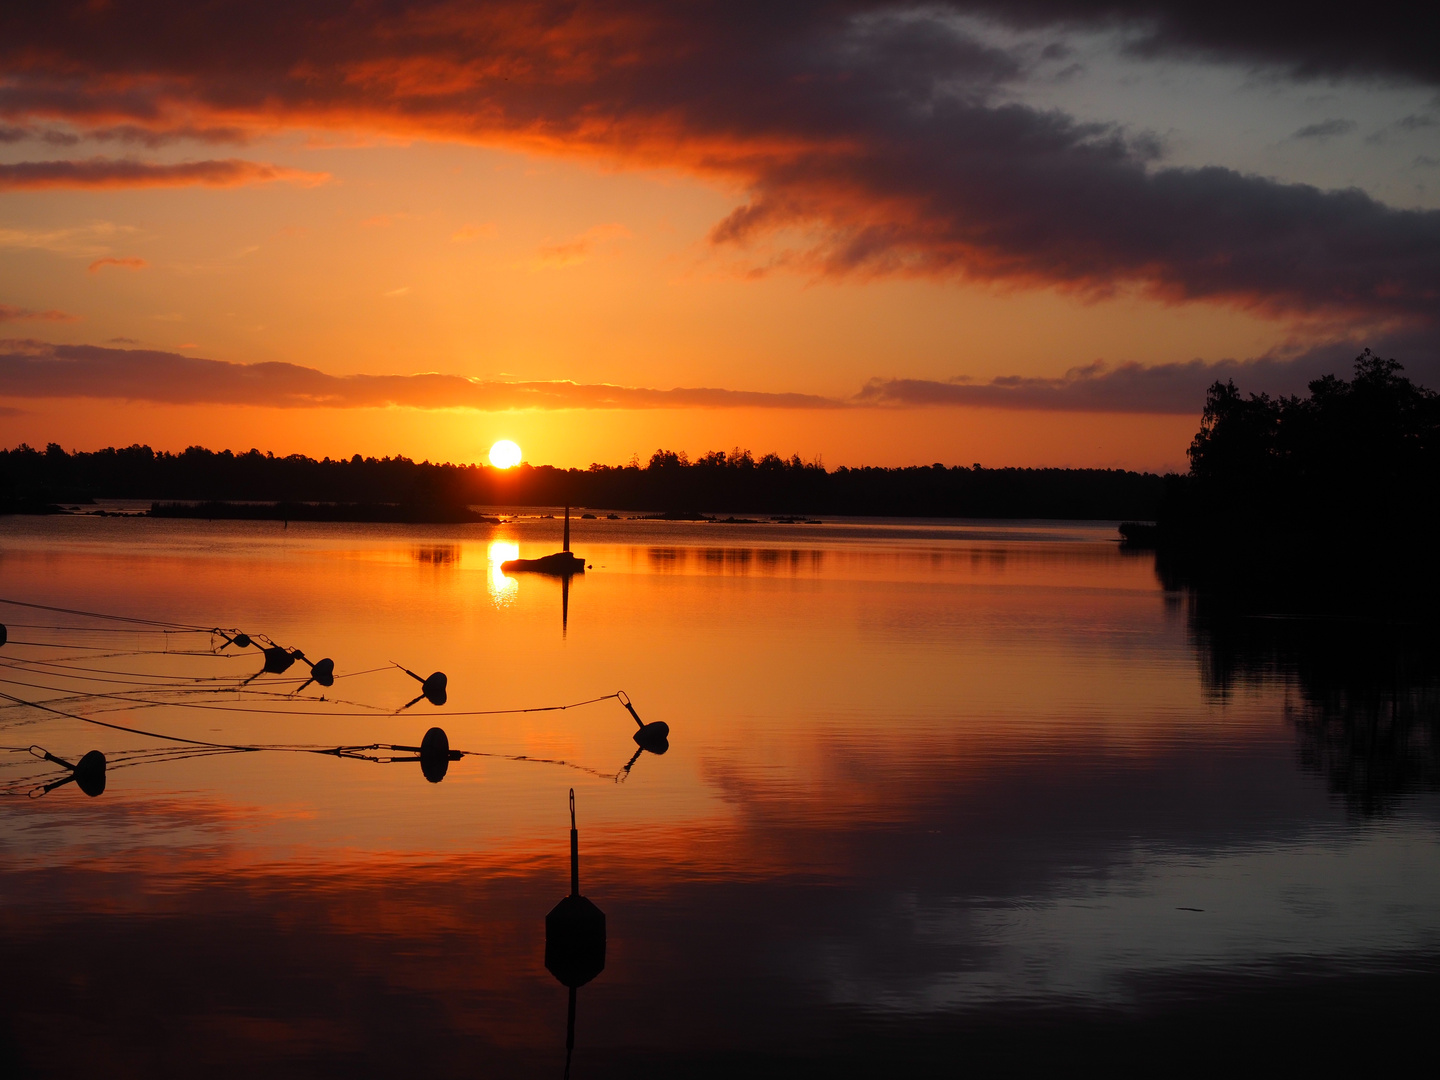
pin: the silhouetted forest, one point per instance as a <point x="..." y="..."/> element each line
<point x="1310" y="501"/>
<point x="34" y="480"/>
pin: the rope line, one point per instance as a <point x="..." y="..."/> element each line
<point x="185" y="627"/>
<point x="354" y="752"/>
<point x="88" y="629"/>
<point x="132" y="652"/>
<point x="311" y="712"/>
<point x="118" y="727"/>
<point x="64" y="669"/>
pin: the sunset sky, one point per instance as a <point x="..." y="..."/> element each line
<point x="1023" y="233"/>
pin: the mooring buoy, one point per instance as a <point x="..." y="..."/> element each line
<point x="432" y="687"/>
<point x="575" y="927"/>
<point x="90" y="774"/>
<point x="435" y="755"/>
<point x="654" y="736"/>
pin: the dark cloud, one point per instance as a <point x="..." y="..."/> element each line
<point x="102" y="172"/>
<point x="125" y="133"/>
<point x="52" y="136"/>
<point x="37" y="370"/>
<point x="872" y="137"/>
<point x="1174" y="389"/>
<point x="1392" y="39"/>
<point x="142" y="136"/>
<point x="1129" y="388"/>
<point x="1406" y="125"/>
<point x="1008" y="193"/>
<point x="1325" y="129"/>
<point x="31" y="369"/>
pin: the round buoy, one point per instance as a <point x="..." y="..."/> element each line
<point x="278" y="660"/>
<point x="654" y="737"/>
<point x="575" y="927"/>
<point x="575" y="941"/>
<point x="323" y="672"/>
<point x="90" y="774"/>
<point x="4" y="634"/>
<point x="435" y="755"/>
<point x="243" y="640"/>
<point x="433" y="688"/>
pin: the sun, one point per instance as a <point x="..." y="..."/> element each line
<point x="505" y="454"/>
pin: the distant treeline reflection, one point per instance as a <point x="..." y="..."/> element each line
<point x="736" y="560"/>
<point x="719" y="482"/>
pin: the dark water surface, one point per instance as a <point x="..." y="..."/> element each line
<point x="936" y="796"/>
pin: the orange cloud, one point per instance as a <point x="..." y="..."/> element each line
<point x="103" y="172"/>
<point x="580" y="248"/>
<point x="128" y="262"/>
<point x="10" y="313"/>
<point x="466" y="233"/>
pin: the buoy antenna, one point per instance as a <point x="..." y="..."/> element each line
<point x="41" y="752"/>
<point x="574" y="850"/>
<point x="625" y="700"/>
<point x="407" y="671"/>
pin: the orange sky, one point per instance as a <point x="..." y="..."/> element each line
<point x="507" y="198"/>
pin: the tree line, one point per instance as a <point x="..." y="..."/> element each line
<point x="718" y="482"/>
<point x="1338" y="490"/>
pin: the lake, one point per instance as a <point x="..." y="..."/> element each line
<point x="936" y="795"/>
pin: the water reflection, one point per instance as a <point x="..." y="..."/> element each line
<point x="574" y="938"/>
<point x="437" y="554"/>
<point x="502" y="588"/>
<point x="997" y="801"/>
<point x="88" y="774"/>
<point x="737" y="561"/>
<point x="128" y="684"/>
<point x="1363" y="694"/>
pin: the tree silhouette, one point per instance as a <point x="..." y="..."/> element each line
<point x="1339" y="487"/>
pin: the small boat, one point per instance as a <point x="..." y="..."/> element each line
<point x="562" y="563"/>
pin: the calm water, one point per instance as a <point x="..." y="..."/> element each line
<point x="934" y="794"/>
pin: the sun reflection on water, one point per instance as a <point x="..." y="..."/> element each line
<point x="502" y="588"/>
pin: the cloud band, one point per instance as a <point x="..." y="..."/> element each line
<point x="30" y="370"/>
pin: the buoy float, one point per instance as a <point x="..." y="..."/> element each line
<point x="322" y="671"/>
<point x="654" y="737"/>
<point x="278" y="659"/>
<point x="90" y="774"/>
<point x="432" y="687"/>
<point x="574" y="938"/>
<point x="435" y="755"/>
<point x="575" y="927"/>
